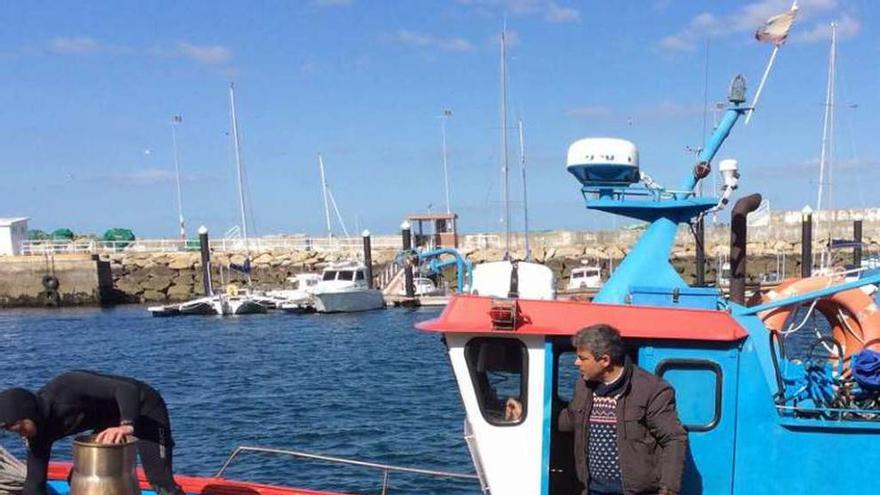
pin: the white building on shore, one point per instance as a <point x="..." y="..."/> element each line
<point x="12" y="232"/>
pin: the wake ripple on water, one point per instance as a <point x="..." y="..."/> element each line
<point x="365" y="386"/>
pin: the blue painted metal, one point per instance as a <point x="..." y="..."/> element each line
<point x="690" y="297"/>
<point x="463" y="268"/>
<point x="648" y="262"/>
<point x="709" y="468"/>
<point x="808" y="296"/>
<point x="763" y="442"/>
<point x="549" y="360"/>
<point x="715" y="141"/>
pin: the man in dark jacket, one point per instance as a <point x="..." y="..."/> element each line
<point x="113" y="406"/>
<point x="627" y="436"/>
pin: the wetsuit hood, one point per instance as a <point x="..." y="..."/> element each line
<point x="17" y="404"/>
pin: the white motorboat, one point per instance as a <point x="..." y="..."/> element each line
<point x="343" y="289"/>
<point x="298" y="291"/>
<point x="422" y="286"/>
<point x="585" y="277"/>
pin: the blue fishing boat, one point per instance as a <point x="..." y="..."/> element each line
<point x="759" y="421"/>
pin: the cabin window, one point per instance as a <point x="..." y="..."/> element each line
<point x="346" y="276"/>
<point x="329" y="275"/>
<point x="697" y="384"/>
<point x="360" y="276"/>
<point x="577" y="275"/>
<point x="498" y="372"/>
<point x="568" y="375"/>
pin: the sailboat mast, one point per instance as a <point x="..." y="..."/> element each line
<point x="505" y="191"/>
<point x="177" y="119"/>
<point x="522" y="155"/>
<point x="828" y="124"/>
<point x="237" y="145"/>
<point x="324" y="190"/>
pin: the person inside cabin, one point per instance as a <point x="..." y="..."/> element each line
<point x="627" y="435"/>
<point x="114" y="407"/>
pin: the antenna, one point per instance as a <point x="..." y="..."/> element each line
<point x="324" y="191"/>
<point x="505" y="191"/>
<point x="443" y="118"/>
<point x="522" y="155"/>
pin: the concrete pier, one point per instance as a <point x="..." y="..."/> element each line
<point x="77" y="279"/>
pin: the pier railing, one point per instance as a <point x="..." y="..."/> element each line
<point x="253" y="245"/>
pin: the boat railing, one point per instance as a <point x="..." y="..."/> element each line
<point x="386" y="469"/>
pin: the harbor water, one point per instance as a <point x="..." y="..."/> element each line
<point x="365" y="386"/>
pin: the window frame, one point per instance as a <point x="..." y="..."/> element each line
<point x="692" y="364"/>
<point x="475" y="382"/>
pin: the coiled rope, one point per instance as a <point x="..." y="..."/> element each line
<point x="12" y="474"/>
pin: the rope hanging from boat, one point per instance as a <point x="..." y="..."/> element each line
<point x="12" y="473"/>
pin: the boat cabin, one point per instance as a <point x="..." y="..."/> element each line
<point x="304" y="281"/>
<point x="585" y="277"/>
<point x="743" y="438"/>
<point x="344" y="273"/>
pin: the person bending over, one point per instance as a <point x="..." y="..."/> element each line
<point x="112" y="406"/>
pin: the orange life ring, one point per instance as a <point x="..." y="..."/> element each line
<point x="853" y="315"/>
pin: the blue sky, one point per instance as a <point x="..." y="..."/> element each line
<point x="89" y="90"/>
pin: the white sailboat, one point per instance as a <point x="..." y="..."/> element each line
<point x="343" y="287"/>
<point x="235" y="301"/>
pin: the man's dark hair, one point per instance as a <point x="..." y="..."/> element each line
<point x="600" y="340"/>
<point x="17" y="404"/>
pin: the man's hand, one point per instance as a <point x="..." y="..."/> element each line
<point x="115" y="434"/>
<point x="512" y="410"/>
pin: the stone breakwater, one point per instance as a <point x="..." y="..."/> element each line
<point x="172" y="277"/>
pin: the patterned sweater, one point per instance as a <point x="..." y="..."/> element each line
<point x="603" y="457"/>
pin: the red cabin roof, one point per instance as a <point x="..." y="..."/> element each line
<point x="471" y="314"/>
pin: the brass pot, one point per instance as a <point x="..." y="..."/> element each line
<point x="104" y="469"/>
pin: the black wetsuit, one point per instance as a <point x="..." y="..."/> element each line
<point x="77" y="401"/>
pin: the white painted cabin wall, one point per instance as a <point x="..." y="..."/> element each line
<point x="12" y="233"/>
<point x="511" y="455"/>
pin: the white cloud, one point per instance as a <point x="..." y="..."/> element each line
<point x="147" y="177"/>
<point x="331" y="3"/>
<point x="749" y="18"/>
<point x="556" y="13"/>
<point x="425" y="40"/>
<point x="549" y="10"/>
<point x="847" y="27"/>
<point x="204" y="54"/>
<point x="74" y="46"/>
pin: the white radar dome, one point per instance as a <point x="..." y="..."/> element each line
<point x="604" y="161"/>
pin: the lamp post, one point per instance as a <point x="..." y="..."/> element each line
<point x="443" y="118"/>
<point x="177" y="119"/>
